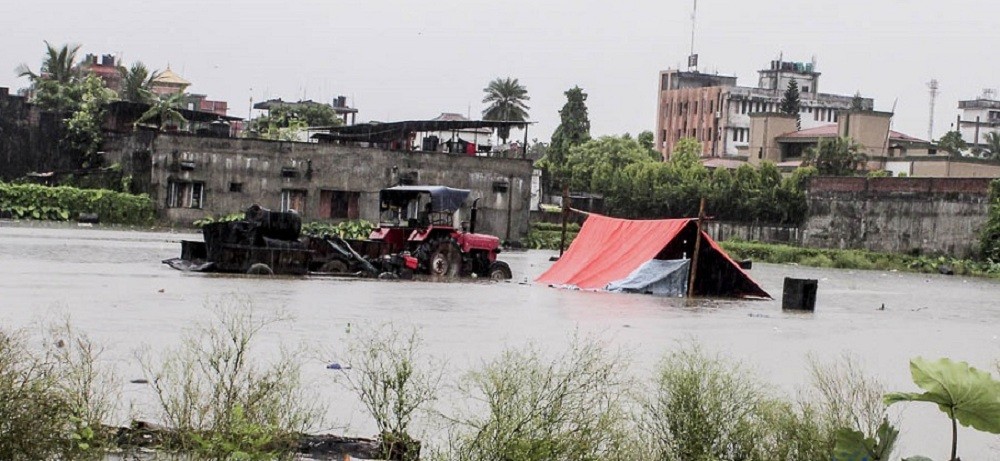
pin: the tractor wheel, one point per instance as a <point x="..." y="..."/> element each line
<point x="334" y="266"/>
<point x="499" y="270"/>
<point x="446" y="259"/>
<point x="260" y="269"/>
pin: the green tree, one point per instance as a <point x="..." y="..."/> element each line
<point x="54" y="85"/>
<point x="137" y="83"/>
<point x="790" y="103"/>
<point x="840" y="156"/>
<point x="591" y="166"/>
<point x="573" y="130"/>
<point x="84" y="133"/>
<point x="952" y="143"/>
<point x="506" y="102"/>
<point x="164" y="111"/>
<point x="648" y="141"/>
<point x="993" y="144"/>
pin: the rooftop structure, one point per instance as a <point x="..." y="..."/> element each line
<point x="106" y="68"/>
<point x="979" y="117"/>
<point x="168" y="82"/>
<point x="440" y="134"/>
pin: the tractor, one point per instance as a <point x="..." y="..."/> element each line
<point x="417" y="232"/>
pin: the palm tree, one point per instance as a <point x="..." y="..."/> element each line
<point x="57" y="66"/>
<point x="506" y="98"/>
<point x="137" y="83"/>
<point x="164" y="110"/>
<point x="993" y="144"/>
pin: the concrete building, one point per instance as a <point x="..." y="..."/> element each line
<point x="106" y="68"/>
<point x="191" y="177"/>
<point x="979" y="116"/>
<point x="774" y="138"/>
<point x="717" y="112"/>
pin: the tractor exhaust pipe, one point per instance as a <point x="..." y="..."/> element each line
<point x="472" y="216"/>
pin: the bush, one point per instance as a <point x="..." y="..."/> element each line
<point x="32" y="201"/>
<point x="816" y="261"/>
<point x="567" y="407"/>
<point x="394" y="381"/>
<point x="220" y="403"/>
<point x="37" y="417"/>
<point x="851" y="260"/>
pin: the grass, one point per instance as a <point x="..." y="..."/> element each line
<point x="856" y="259"/>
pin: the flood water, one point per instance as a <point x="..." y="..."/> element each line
<point x="114" y="288"/>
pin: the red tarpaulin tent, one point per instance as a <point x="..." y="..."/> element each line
<point x="609" y="249"/>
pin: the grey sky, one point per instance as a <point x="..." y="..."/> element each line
<point x="398" y="59"/>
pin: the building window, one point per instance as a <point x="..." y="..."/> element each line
<point x="805" y="89"/>
<point x="736" y="135"/>
<point x="185" y="194"/>
<point x="339" y="204"/>
<point x="235" y="187"/>
<point x="293" y="199"/>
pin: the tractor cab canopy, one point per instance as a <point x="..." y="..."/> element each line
<point x="420" y="205"/>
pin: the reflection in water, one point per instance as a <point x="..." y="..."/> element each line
<point x="116" y="290"/>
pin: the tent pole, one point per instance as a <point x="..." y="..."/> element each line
<point x="697" y="250"/>
<point x="565" y="218"/>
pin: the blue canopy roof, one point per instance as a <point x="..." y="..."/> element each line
<point x="442" y="198"/>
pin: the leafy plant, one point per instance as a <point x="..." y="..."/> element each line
<point x="394" y="381"/>
<point x="854" y="446"/>
<point x="231" y="217"/>
<point x="32" y="201"/>
<point x="968" y="396"/>
<point x="355" y="229"/>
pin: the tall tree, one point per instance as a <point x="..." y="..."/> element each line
<point x="952" y="143"/>
<point x="137" y="83"/>
<point x="648" y="141"/>
<point x="506" y="98"/>
<point x="54" y="86"/>
<point x="840" y="156"/>
<point x="573" y="130"/>
<point x="790" y="103"/>
<point x="58" y="65"/>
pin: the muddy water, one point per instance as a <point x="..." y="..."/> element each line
<point x="113" y="287"/>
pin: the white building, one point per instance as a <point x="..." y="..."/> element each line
<point x="979" y="116"/>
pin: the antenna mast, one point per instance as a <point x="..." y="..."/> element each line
<point x="693" y="58"/>
<point x="933" y="85"/>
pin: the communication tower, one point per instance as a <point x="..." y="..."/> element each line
<point x="933" y="85"/>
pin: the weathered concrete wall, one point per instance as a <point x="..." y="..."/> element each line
<point x="930" y="215"/>
<point x="29" y="140"/>
<point x="258" y="167"/>
<point x="721" y="231"/>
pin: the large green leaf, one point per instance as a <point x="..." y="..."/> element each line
<point x="973" y="395"/>
<point x="854" y="446"/>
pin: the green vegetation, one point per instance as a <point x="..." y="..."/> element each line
<point x="506" y="98"/>
<point x="31" y="201"/>
<point x="222" y="405"/>
<point x="284" y="122"/>
<point x="989" y="240"/>
<point x="547" y="236"/>
<point x="840" y="156"/>
<point x="137" y="83"/>
<point x="165" y="112"/>
<point x="573" y="130"/>
<point x="855" y="259"/>
<point x="952" y="143"/>
<point x="790" y="103"/>
<point x="355" y="229"/>
<point x="394" y="381"/>
<point x="968" y="396"/>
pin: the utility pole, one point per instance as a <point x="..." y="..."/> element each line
<point x="697" y="251"/>
<point x="933" y="85"/>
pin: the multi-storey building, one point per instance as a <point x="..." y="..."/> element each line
<point x="716" y="112"/>
<point x="979" y="116"/>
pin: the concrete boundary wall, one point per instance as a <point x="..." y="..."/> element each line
<point x="926" y="215"/>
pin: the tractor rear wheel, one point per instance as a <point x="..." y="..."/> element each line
<point x="446" y="259"/>
<point x="499" y="270"/>
<point x="260" y="269"/>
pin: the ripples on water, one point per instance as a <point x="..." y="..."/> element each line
<point x="115" y="289"/>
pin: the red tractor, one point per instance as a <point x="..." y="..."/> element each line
<point x="419" y="224"/>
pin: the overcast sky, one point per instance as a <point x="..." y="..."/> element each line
<point x="411" y="59"/>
